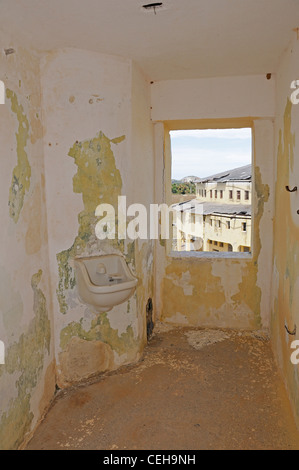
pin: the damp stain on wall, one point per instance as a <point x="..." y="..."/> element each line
<point x="26" y="357"/>
<point x="99" y="181"/>
<point x="20" y="183"/>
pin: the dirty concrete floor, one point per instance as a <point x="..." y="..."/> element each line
<point x="226" y="395"/>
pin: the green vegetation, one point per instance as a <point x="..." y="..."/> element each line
<point x="183" y="188"/>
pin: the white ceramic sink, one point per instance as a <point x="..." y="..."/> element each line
<point x="104" y="281"/>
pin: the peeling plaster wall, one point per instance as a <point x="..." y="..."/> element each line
<point x="217" y="291"/>
<point x="98" y="145"/>
<point x="285" y="304"/>
<point x="27" y="379"/>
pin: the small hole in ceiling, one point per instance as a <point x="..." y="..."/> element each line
<point x="153" y="6"/>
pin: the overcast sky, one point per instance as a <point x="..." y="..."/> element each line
<point x="206" y="152"/>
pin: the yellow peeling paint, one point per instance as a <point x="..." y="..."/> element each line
<point x="22" y="172"/>
<point x="207" y="291"/>
<point x="99" y="181"/>
<point x="11" y="305"/>
<point x="26" y="359"/>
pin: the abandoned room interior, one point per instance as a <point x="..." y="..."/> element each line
<point x="177" y="350"/>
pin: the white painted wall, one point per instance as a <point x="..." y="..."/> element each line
<point x="212" y="98"/>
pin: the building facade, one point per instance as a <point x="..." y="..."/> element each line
<point x="221" y="213"/>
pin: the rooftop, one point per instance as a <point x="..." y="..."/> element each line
<point x="242" y="173"/>
<point x="207" y="208"/>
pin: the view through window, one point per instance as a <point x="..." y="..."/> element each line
<point x="212" y="190"/>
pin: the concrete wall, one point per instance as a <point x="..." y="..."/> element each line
<point x="285" y="304"/>
<point x="204" y="290"/>
<point x="98" y="145"/>
<point x="27" y="379"/>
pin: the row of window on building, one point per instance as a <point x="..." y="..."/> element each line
<point x="218" y="224"/>
<point x="214" y="243"/>
<point x="216" y="192"/>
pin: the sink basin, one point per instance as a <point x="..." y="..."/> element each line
<point x="104" y="281"/>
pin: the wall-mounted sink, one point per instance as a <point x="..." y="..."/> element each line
<point x="104" y="281"/>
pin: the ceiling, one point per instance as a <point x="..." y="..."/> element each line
<point x="184" y="39"/>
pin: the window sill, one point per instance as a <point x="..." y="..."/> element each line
<point x="209" y="255"/>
